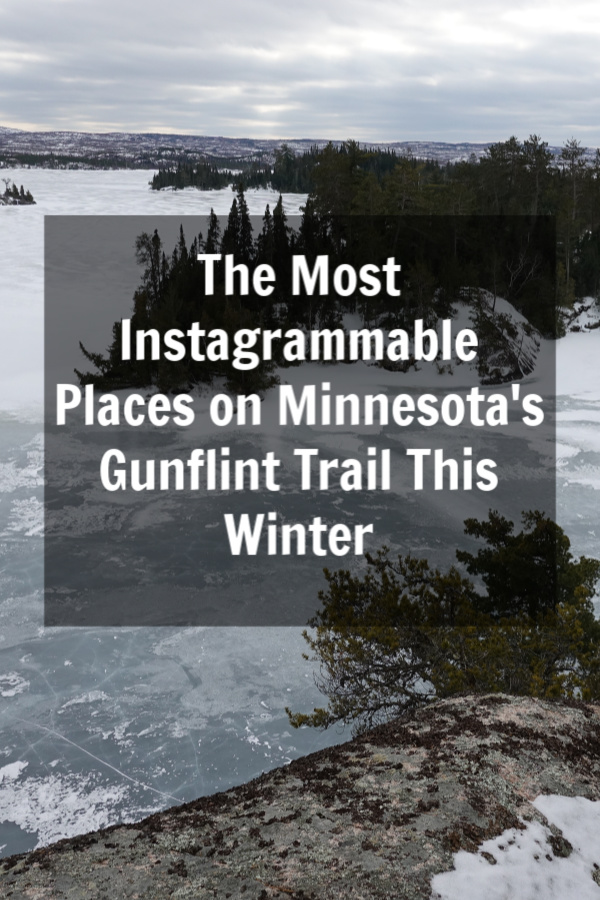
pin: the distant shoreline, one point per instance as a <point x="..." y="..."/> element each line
<point x="71" y="149"/>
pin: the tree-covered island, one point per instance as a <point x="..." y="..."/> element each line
<point x="14" y="196"/>
<point x="445" y="261"/>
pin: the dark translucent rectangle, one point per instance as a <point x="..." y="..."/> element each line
<point x="149" y="557"/>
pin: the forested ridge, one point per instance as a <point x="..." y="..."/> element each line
<point x="512" y="178"/>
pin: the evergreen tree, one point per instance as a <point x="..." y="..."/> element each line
<point x="149" y="254"/>
<point x="265" y="247"/>
<point x="213" y="235"/>
<point x="282" y="250"/>
<point x="573" y="158"/>
<point x="245" y="249"/>
<point x="405" y="633"/>
<point x="537" y="159"/>
<point x="231" y="234"/>
<point x="530" y="572"/>
<point x="237" y="237"/>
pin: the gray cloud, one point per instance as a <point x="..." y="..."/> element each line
<point x="370" y="70"/>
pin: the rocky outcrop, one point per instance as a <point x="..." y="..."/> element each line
<point x="372" y="818"/>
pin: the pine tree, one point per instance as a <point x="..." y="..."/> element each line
<point x="537" y="160"/>
<point x="404" y="632"/>
<point x="231" y="234"/>
<point x="265" y="248"/>
<point x="213" y="235"/>
<point x="245" y="249"/>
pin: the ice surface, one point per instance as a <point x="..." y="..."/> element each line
<point x="85" y="803"/>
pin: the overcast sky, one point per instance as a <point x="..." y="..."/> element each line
<point x="379" y="70"/>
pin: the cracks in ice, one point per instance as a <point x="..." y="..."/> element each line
<point x="98" y="759"/>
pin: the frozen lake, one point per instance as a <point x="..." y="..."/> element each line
<point x="98" y="725"/>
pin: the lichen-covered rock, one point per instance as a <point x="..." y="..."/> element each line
<point x="373" y="818"/>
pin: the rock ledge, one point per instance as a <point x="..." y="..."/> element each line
<point x="376" y="817"/>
